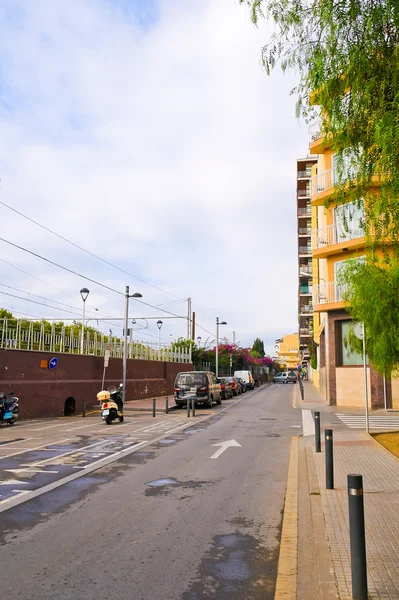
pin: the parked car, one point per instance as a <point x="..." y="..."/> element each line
<point x="225" y="387"/>
<point x="234" y="385"/>
<point x="200" y="386"/>
<point x="246" y="376"/>
<point x="285" y="377"/>
<point x="242" y="384"/>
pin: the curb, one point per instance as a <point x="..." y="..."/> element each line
<point x="327" y="586"/>
<point x="287" y="570"/>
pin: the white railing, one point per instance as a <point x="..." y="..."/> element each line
<point x="323" y="181"/>
<point x="327" y="292"/>
<point x="336" y="233"/>
<point x="16" y="334"/>
<point x="315" y="130"/>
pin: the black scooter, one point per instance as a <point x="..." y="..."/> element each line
<point x="9" y="408"/>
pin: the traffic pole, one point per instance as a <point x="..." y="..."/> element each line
<point x="317" y="430"/>
<point x="154" y="407"/>
<point x="329" y="459"/>
<point x="357" y="537"/>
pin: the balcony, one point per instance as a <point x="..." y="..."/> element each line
<point x="304" y="211"/>
<point x="304" y="193"/>
<point x="322" y="183"/>
<point x="333" y="238"/>
<point x="315" y="130"/>
<point x="304" y="231"/>
<point x="306" y="269"/>
<point x="304" y="331"/>
<point x="306" y="309"/>
<point x="306" y="290"/>
<point x="328" y="296"/>
<point x="305" y="250"/>
<point x="304" y="174"/>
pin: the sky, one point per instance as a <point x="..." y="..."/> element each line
<point x="148" y="133"/>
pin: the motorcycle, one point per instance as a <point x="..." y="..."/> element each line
<point x="111" y="404"/>
<point x="9" y="408"/>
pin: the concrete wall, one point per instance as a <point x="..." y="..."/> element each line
<point x="43" y="391"/>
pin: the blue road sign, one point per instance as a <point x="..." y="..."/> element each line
<point x="53" y="363"/>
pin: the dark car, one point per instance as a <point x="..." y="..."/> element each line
<point x="200" y="386"/>
<point x="242" y="384"/>
<point x="235" y="385"/>
<point x="225" y="388"/>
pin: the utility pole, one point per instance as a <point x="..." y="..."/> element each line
<point x="234" y="338"/>
<point x="193" y="327"/>
<point x="189" y="317"/>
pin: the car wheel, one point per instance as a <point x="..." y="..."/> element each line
<point x="219" y="401"/>
<point x="210" y="402"/>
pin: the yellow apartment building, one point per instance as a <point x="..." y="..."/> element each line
<point x="337" y="235"/>
<point x="287" y="352"/>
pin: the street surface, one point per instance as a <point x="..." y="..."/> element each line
<point x="178" y="514"/>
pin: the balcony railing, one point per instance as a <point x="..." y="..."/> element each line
<point x="306" y="308"/>
<point x="304" y="331"/>
<point x="304" y="231"/>
<point x="304" y="193"/>
<point x="323" y="181"/>
<point x="305" y="250"/>
<point x="336" y="233"/>
<point x="306" y="269"/>
<point x="303" y="174"/>
<point x="305" y="211"/>
<point x="305" y="289"/>
<point x="315" y="130"/>
<point x="328" y="292"/>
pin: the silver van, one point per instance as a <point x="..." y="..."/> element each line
<point x="200" y="386"/>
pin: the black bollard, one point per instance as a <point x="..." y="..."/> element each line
<point x="193" y="406"/>
<point x="357" y="537"/>
<point x="188" y="408"/>
<point x="154" y="407"/>
<point x="317" y="431"/>
<point x="83" y="408"/>
<point x="329" y="459"/>
<point x="166" y="405"/>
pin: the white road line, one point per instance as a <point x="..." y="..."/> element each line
<point x="75" y="451"/>
<point x="49" y="427"/>
<point x="13" y="482"/>
<point x="307" y="422"/>
<point x="16" y="442"/>
<point x="81" y="427"/>
<point x="31" y="449"/>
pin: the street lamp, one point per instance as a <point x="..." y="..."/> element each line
<point x="199" y="338"/>
<point x="159" y="325"/>
<point x="84" y="292"/>
<point x="217" y="344"/>
<point x="127" y="297"/>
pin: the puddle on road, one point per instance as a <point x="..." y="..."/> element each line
<point x="236" y="566"/>
<point x="163" y="482"/>
<point x="162" y="487"/>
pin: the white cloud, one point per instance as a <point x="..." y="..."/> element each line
<point x="163" y="148"/>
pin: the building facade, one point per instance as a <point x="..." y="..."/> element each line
<point x="304" y="168"/>
<point x="288" y="354"/>
<point x="337" y="235"/>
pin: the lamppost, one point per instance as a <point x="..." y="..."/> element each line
<point x="125" y="331"/>
<point x="217" y="343"/>
<point x="84" y="292"/>
<point x="199" y="338"/>
<point x="159" y="324"/>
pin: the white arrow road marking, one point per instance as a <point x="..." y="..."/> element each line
<point x="224" y="446"/>
<point x="13" y="482"/>
<point x="17" y="494"/>
<point x="29" y="470"/>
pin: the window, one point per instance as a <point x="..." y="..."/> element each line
<point x="339" y="267"/>
<point x="346" y="355"/>
<point x="349" y="221"/>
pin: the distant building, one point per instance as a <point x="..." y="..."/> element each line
<point x="287" y="351"/>
<point x="305" y="266"/>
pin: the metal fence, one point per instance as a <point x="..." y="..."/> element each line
<point x="21" y="335"/>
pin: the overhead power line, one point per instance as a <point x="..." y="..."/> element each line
<point x="88" y="251"/>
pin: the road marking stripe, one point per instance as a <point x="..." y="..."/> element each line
<point x="49" y="427"/>
<point x="307" y="422"/>
<point x="288" y="559"/>
<point x="31" y="449"/>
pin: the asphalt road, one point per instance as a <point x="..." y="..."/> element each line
<point x="165" y="522"/>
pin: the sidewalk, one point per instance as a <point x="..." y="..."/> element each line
<point x="145" y="404"/>
<point x="357" y="452"/>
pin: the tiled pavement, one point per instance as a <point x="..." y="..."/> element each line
<point x="356" y="452"/>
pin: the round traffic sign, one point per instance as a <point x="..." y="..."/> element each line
<point x="53" y="363"/>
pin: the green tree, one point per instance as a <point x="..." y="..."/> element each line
<point x="362" y="284"/>
<point x="347" y="55"/>
<point x="259" y="348"/>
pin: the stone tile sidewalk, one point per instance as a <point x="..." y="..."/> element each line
<point x="357" y="452"/>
